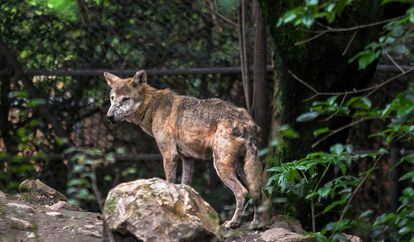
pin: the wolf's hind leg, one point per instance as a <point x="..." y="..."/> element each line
<point x="225" y="168"/>
<point x="253" y="169"/>
<point x="188" y="168"/>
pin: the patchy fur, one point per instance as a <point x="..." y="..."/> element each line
<point x="186" y="127"/>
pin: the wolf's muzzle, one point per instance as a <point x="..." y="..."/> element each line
<point x="111" y="118"/>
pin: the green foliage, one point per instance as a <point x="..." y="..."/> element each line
<point x="67" y="9"/>
<point x="312" y="10"/>
<point x="228" y="7"/>
<point x="17" y="166"/>
<point x="398" y="226"/>
<point x="86" y="163"/>
<point x="306" y="177"/>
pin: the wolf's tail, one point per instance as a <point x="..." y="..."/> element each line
<point x="253" y="168"/>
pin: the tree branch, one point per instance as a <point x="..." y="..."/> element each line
<point x="221" y="16"/>
<point x="349" y="43"/>
<point x="243" y="53"/>
<point x="339" y="130"/>
<point x="336" y="30"/>
<point x="394" y="62"/>
<point x="372" y="89"/>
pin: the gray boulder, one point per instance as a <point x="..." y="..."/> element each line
<point x="155" y="210"/>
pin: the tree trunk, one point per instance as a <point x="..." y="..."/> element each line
<point x="260" y="105"/>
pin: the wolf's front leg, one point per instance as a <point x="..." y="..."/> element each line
<point x="170" y="168"/>
<point x="169" y="157"/>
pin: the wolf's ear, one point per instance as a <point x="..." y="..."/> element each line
<point x="139" y="78"/>
<point x="111" y="78"/>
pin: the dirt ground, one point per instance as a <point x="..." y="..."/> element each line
<point x="22" y="220"/>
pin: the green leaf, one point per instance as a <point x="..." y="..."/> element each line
<point x="331" y="101"/>
<point x="287" y="132"/>
<point x="361" y="103"/>
<point x="264" y="151"/>
<point x="36" y="102"/>
<point x="409" y="228"/>
<point x="77" y="182"/>
<point x="287" y="17"/>
<point x="320" y="131"/>
<point x="335" y="204"/>
<point x="307" y="116"/>
<point x="367" y="58"/>
<point x="323" y="192"/>
<point x="330" y="6"/>
<point x="366" y="213"/>
<point x="337" y="149"/>
<point x="409" y="175"/>
<point x="312" y="2"/>
<point x="308" y="19"/>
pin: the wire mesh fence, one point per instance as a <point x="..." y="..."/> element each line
<point x="54" y="97"/>
<point x="120" y="35"/>
<point x="66" y="51"/>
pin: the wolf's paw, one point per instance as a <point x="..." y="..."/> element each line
<point x="256" y="224"/>
<point x="231" y="224"/>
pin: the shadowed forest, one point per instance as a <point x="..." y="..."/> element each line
<point x="329" y="83"/>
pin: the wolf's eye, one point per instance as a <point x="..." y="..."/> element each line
<point x="112" y="98"/>
<point x="124" y="99"/>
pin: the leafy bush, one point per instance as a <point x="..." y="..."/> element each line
<point x="306" y="177"/>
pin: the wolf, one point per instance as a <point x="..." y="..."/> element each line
<point x="189" y="128"/>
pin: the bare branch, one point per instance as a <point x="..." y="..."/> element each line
<point x="350" y="42"/>
<point x="363" y="26"/>
<point x="303" y="82"/>
<point x="395" y="63"/>
<point x="336" y="30"/>
<point x="243" y="53"/>
<point x="221" y="16"/>
<point x="310" y="39"/>
<point x="339" y="130"/>
<point x="376" y="87"/>
<point x="371" y="89"/>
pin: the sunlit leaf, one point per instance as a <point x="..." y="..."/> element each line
<point x="307" y="116"/>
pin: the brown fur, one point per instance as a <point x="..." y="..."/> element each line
<point x="186" y="127"/>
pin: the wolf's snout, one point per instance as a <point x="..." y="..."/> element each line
<point x="110" y="118"/>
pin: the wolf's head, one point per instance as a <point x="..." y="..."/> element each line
<point x="127" y="95"/>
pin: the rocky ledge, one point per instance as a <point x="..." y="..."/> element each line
<point x="40" y="213"/>
<point x="141" y="210"/>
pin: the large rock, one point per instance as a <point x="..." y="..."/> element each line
<point x="155" y="210"/>
<point x="32" y="188"/>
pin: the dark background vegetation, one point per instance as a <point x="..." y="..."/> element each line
<point x="297" y="66"/>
